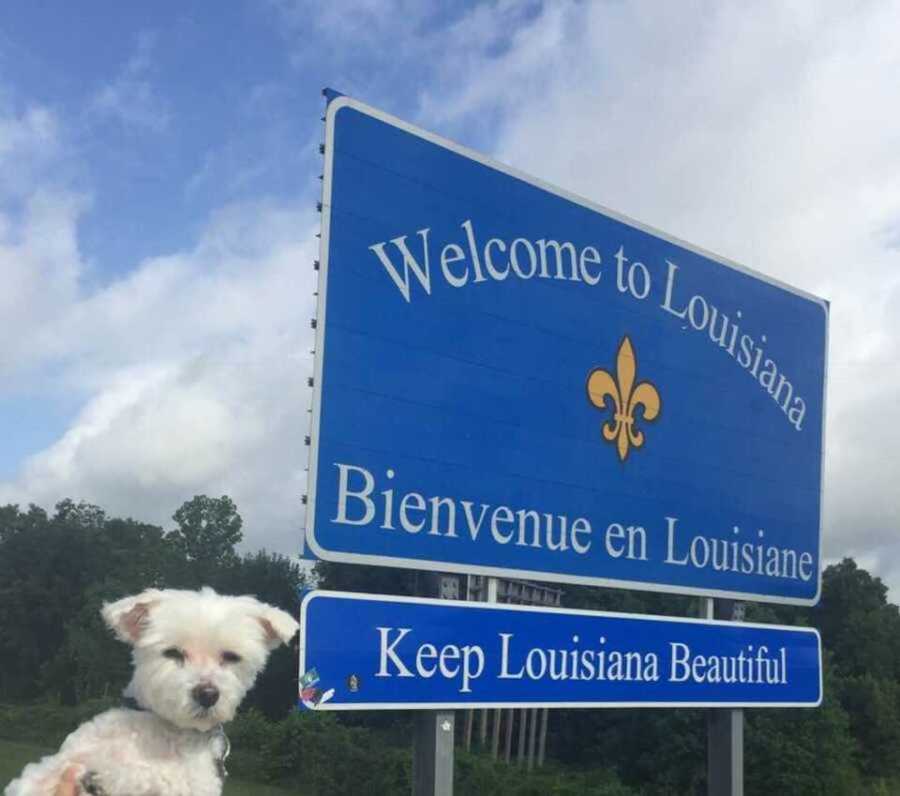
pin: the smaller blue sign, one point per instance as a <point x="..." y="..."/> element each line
<point x="376" y="652"/>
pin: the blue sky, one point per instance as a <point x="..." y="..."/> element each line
<point x="158" y="179"/>
<point x="171" y="109"/>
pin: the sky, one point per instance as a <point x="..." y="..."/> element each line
<point x="159" y="174"/>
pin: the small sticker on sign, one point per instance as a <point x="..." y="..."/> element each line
<point x="314" y="697"/>
<point x="309" y="678"/>
<point x="311" y="696"/>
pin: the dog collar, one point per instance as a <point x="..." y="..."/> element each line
<point x="131" y="703"/>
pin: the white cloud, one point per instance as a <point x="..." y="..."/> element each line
<point x="190" y="367"/>
<point x="196" y="368"/>
<point x="39" y="258"/>
<point x="766" y="132"/>
<point x="28" y="141"/>
<point x="130" y="97"/>
<point x="384" y="52"/>
<point x="40" y="264"/>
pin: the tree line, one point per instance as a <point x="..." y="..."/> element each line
<point x="57" y="568"/>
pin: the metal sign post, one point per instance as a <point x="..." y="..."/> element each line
<point x="724" y="726"/>
<point x="433" y="741"/>
<point x="432" y="770"/>
<point x="725" y="752"/>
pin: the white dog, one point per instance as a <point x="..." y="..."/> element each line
<point x="195" y="655"/>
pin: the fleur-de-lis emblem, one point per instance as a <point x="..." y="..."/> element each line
<point x="626" y="398"/>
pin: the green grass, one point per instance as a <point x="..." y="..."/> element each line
<point x="14" y="756"/>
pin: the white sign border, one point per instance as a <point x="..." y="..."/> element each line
<point x="310" y="596"/>
<point x="334" y="107"/>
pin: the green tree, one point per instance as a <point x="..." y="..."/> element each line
<point x="801" y="751"/>
<point x="13" y="521"/>
<point x="857" y="623"/>
<point x="207" y="533"/>
<point x="46" y="566"/>
<point x="873" y="707"/>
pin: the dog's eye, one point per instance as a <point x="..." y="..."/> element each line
<point x="174" y="654"/>
<point x="230" y="657"/>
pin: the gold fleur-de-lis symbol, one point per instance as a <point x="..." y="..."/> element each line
<point x="626" y="398"/>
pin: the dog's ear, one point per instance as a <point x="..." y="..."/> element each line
<point x="129" y="616"/>
<point x="279" y="626"/>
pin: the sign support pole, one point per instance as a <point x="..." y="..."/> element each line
<point x="523" y="722"/>
<point x="433" y="753"/>
<point x="724" y="728"/>
<point x="433" y="741"/>
<point x="510" y="714"/>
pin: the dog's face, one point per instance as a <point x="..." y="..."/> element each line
<point x="196" y="653"/>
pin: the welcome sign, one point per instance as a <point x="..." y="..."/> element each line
<point x="362" y="651"/>
<point x="513" y="381"/>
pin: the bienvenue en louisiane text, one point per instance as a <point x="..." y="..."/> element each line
<point x="362" y="501"/>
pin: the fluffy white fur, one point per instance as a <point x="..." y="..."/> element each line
<point x="189" y="648"/>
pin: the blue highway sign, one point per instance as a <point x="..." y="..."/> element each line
<point x="512" y="381"/>
<point x="376" y="652"/>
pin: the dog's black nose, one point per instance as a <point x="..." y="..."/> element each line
<point x="205" y="695"/>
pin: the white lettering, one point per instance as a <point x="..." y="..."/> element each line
<point x="387" y="651"/>
<point x="589" y="255"/>
<point x="489" y="262"/>
<point x="409" y="263"/>
<point x="344" y="492"/>
<point x="451" y="253"/>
